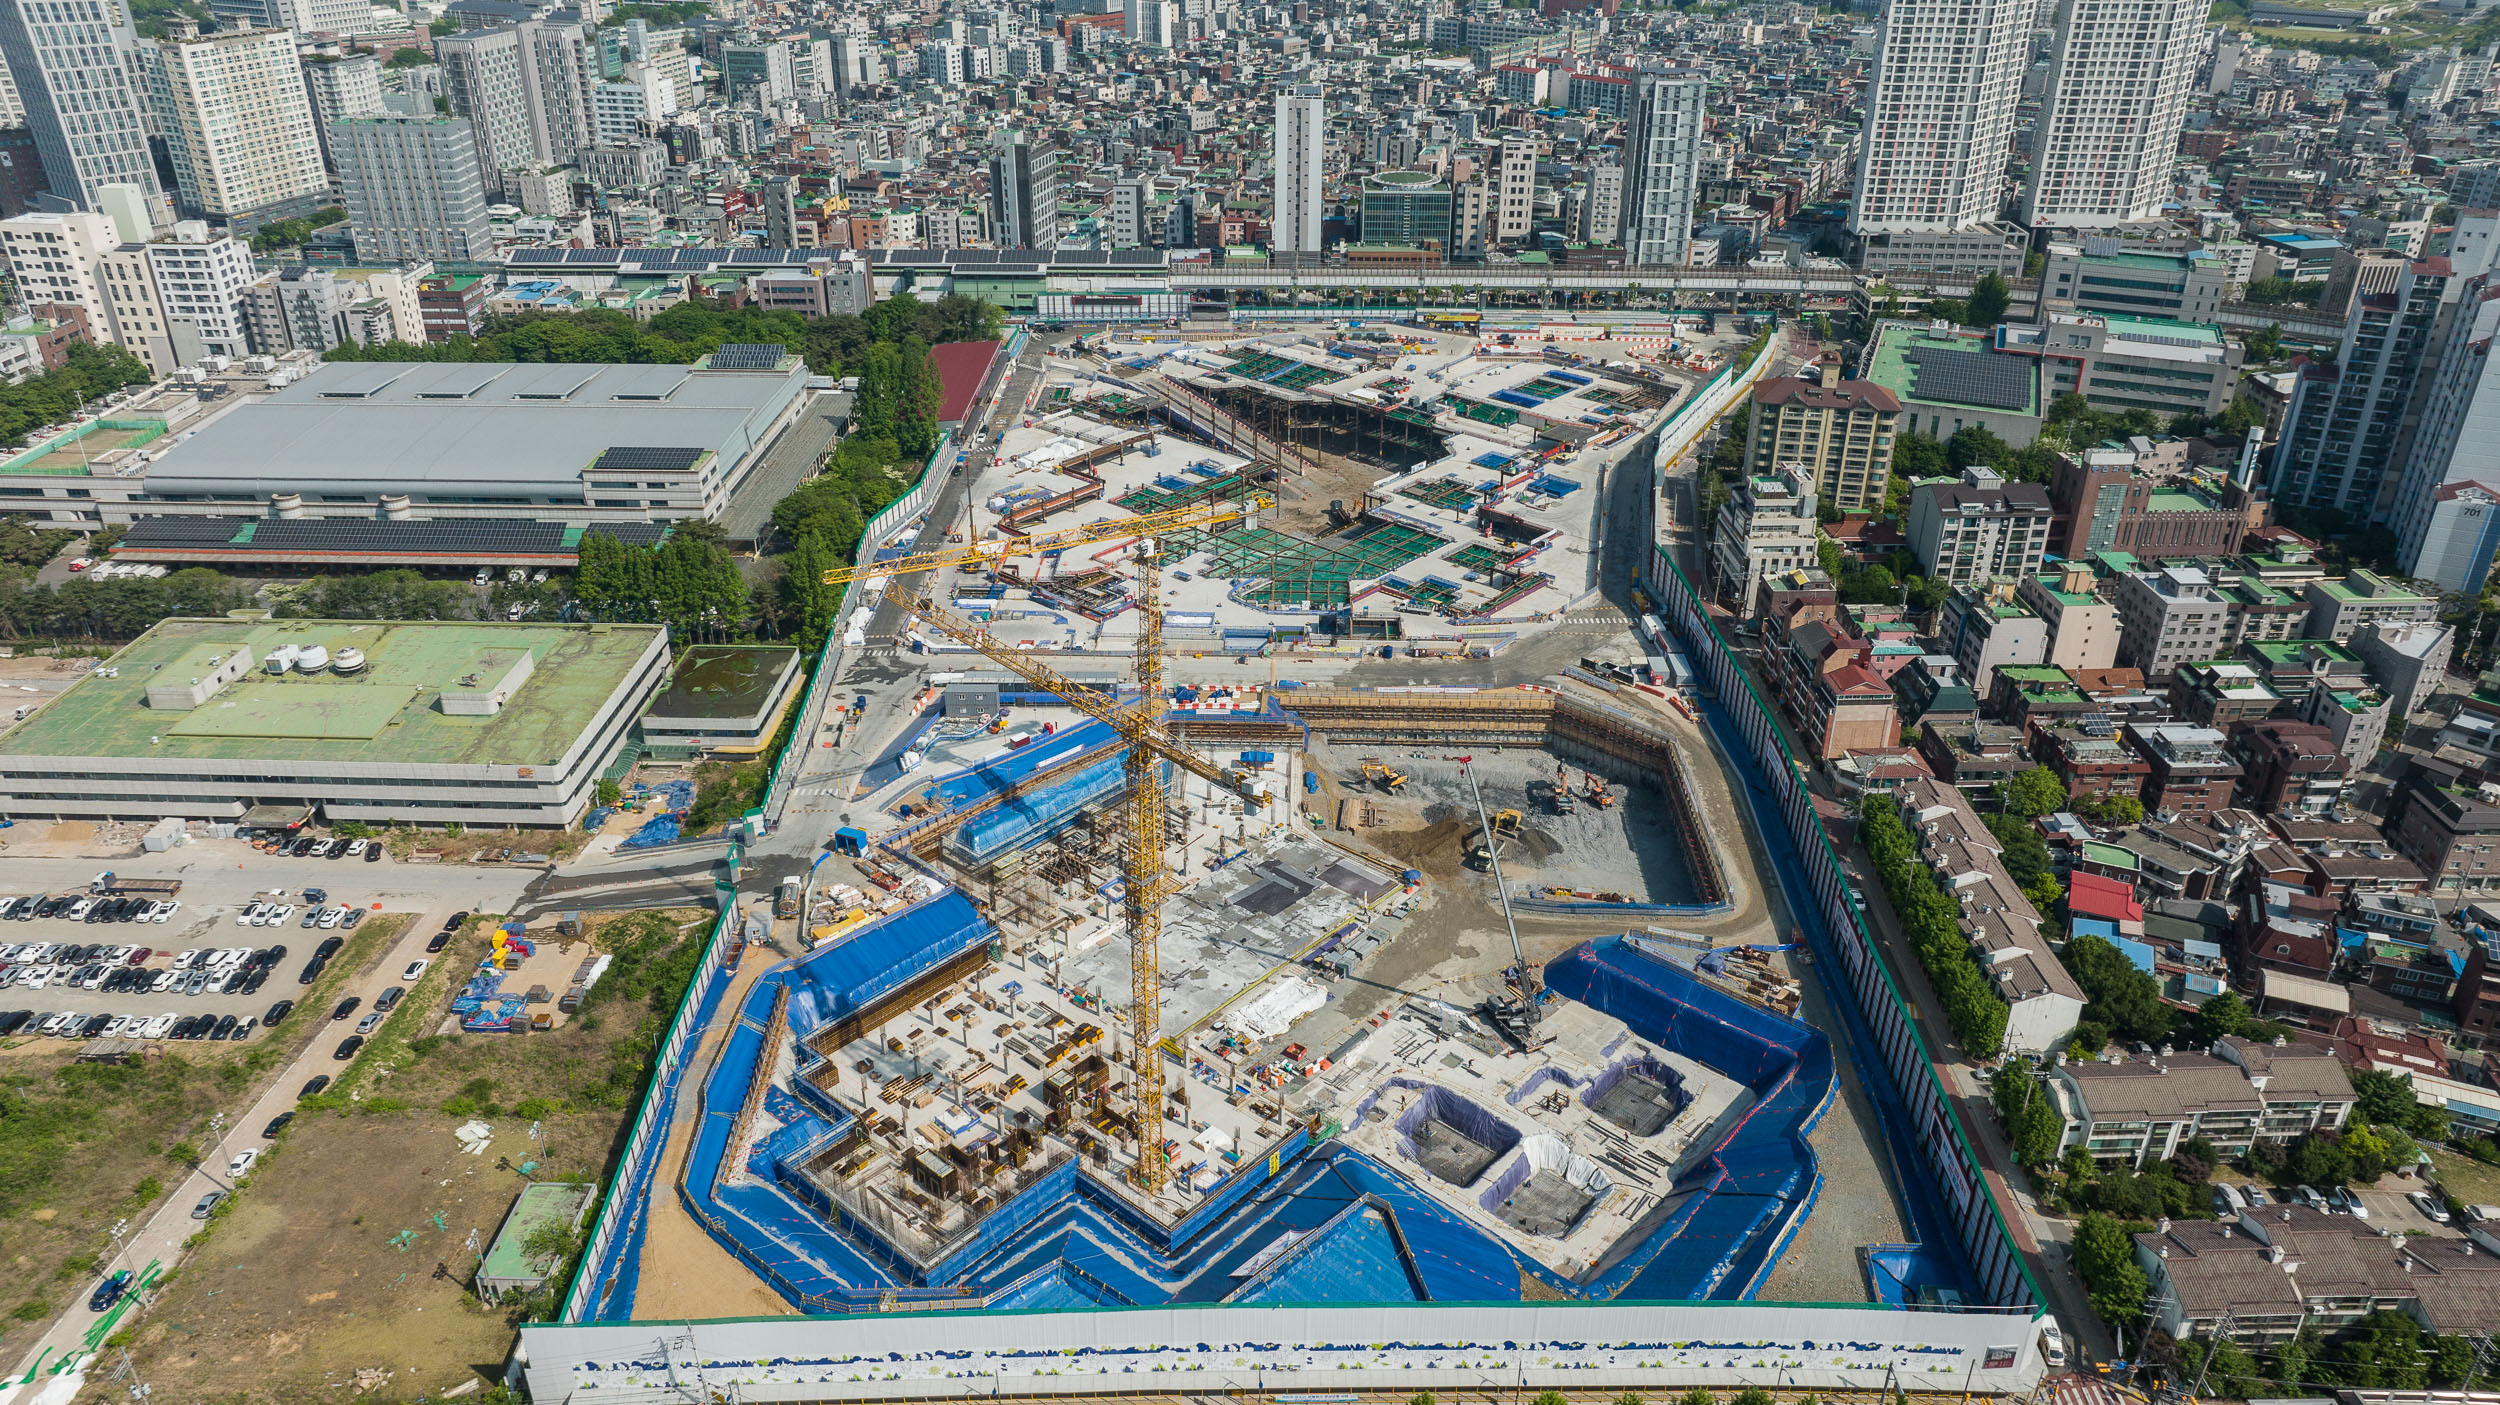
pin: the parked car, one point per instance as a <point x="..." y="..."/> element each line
<point x="207" y="1203"/>
<point x="439" y="941"/>
<point x="241" y="1165"/>
<point x="2430" y="1208"/>
<point x="347" y="1007"/>
<point x="314" y="1085"/>
<point x="278" y="1012"/>
<point x="373" y="854"/>
<point x="367" y="1024"/>
<point x="347" y="1047"/>
<point x="390" y="998"/>
<point x="276" y="1125"/>
<point x="2343" y="1199"/>
<point x="415" y="969"/>
<point x="2310" y="1196"/>
<point x="312" y="971"/>
<point x="354" y="916"/>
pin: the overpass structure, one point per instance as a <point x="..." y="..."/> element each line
<point x="1819" y="280"/>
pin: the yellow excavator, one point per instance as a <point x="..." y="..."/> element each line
<point x="1382" y="776"/>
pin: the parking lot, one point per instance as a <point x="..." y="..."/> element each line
<point x="2389" y="1209"/>
<point x="238" y="969"/>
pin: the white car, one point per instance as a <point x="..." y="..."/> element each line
<point x="277" y="916"/>
<point x="155" y="1028"/>
<point x="38" y="978"/>
<point x="331" y="917"/>
<point x="250" y="915"/>
<point x="355" y="847"/>
<point x="183" y="962"/>
<point x="163" y="910"/>
<point x="242" y="1163"/>
<point x="2431" y="1209"/>
<point x="415" y="969"/>
<point x="164" y="981"/>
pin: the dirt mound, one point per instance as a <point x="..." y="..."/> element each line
<point x="1440" y="850"/>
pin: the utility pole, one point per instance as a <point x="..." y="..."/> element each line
<point x="2222" y="1334"/>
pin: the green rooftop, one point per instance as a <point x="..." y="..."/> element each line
<point x="1891" y="365"/>
<point x="2167" y="328"/>
<point x="2177" y="500"/>
<point x="544" y="1202"/>
<point x="386" y="714"/>
<point x="2168" y="263"/>
<point x="2031" y="673"/>
<point x="2109" y="854"/>
<point x="2371" y="586"/>
<point x="2048" y="585"/>
<point x="2283" y="653"/>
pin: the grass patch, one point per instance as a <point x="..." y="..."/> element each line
<point x="2465" y="1178"/>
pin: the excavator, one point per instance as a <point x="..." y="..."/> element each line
<point x="1598" y="794"/>
<point x="1504" y="825"/>
<point x="1387" y="779"/>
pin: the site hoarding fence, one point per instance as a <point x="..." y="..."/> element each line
<point x="618" y="1224"/>
<point x="889" y="520"/>
<point x="2001" y="1277"/>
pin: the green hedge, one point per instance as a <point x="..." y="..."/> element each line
<point x="1931" y="921"/>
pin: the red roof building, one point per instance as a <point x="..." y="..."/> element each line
<point x="2091" y="895"/>
<point x="963" y="367"/>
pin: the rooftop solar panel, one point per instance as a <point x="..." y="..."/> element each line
<point x="1970" y="377"/>
<point x="651" y="457"/>
<point x="261" y="536"/>
<point x="748" y="356"/>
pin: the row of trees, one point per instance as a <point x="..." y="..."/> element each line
<point x="689" y="583"/>
<point x="90" y="373"/>
<point x="1931" y="922"/>
<point x="832" y="346"/>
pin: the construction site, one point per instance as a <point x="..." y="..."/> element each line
<point x="1114" y="994"/>
<point x="1423" y="493"/>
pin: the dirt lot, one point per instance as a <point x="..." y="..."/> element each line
<point x="350" y="1248"/>
<point x="85" y="1145"/>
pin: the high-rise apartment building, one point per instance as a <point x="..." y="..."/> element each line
<point x="1301" y="162"/>
<point x="342" y="87"/>
<point x="55" y="257"/>
<point x="1514" y="191"/>
<point x="73" y="63"/>
<point x="2345" y="430"/>
<point x="1939" y="117"/>
<point x="2458" y="439"/>
<point x="412" y="188"/>
<point x="237" y="120"/>
<point x="1662" y="163"/>
<point x="527" y="90"/>
<point x="1130" y="201"/>
<point x="305" y="17"/>
<point x="1155" y="23"/>
<point x="2108" y="135"/>
<point x="200" y="275"/>
<point x="1839" y="431"/>
<point x="1024" y="194"/>
<point x="1601" y="210"/>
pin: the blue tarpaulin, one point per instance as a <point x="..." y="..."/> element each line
<point x="2136" y="952"/>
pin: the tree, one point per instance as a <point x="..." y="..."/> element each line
<point x="2317" y="1159"/>
<point x="1974" y="445"/>
<point x="2033" y="793"/>
<point x="2222" y="1016"/>
<point x="803" y="591"/>
<point x="2123" y="998"/>
<point x="2266" y="344"/>
<point x="1988" y="300"/>
<point x="408" y="57"/>
<point x="2109" y="810"/>
<point x="2105" y="1259"/>
<point x="2387" y="1100"/>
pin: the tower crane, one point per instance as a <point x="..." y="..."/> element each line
<point x="1146" y="870"/>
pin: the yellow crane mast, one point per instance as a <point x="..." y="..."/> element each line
<point x="1145" y="866"/>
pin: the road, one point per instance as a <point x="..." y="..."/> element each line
<point x="219" y="877"/>
<point x="822" y="789"/>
